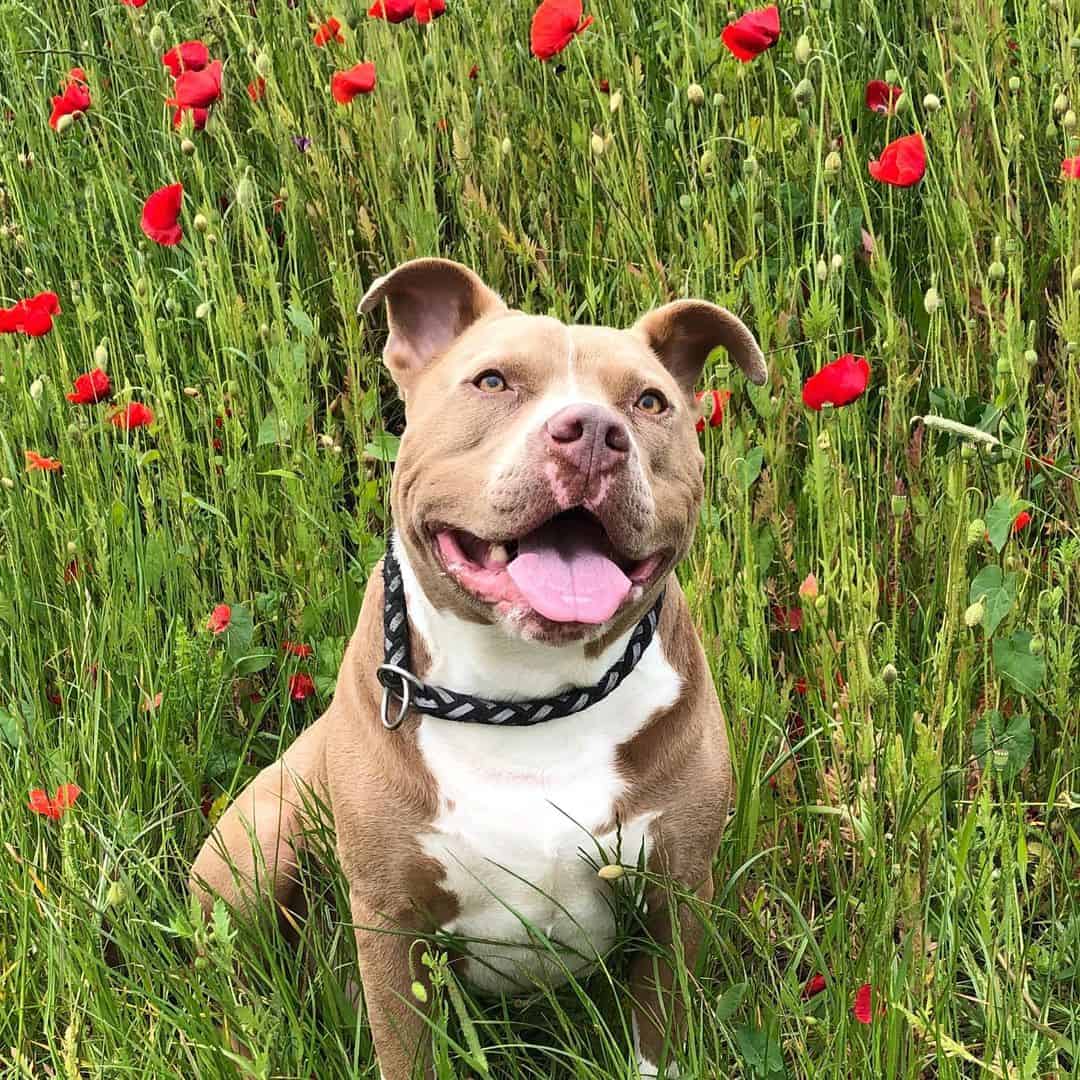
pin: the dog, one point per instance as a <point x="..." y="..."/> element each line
<point x="524" y="700"/>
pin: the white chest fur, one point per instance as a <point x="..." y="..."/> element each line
<point x="523" y="810"/>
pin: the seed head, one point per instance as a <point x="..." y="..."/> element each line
<point x="695" y="95"/>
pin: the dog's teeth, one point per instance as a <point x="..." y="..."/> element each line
<point x="498" y="555"/>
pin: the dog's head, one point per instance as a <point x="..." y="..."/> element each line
<point x="550" y="476"/>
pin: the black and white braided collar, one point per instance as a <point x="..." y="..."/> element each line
<point x="397" y="678"/>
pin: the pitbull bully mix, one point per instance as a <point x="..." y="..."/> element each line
<point x="548" y="482"/>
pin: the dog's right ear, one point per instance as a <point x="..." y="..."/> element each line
<point x="430" y="303"/>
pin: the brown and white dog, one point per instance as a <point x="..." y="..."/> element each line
<point x="548" y="481"/>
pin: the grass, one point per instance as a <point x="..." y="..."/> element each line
<point x="908" y="820"/>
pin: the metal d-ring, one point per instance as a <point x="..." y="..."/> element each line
<point x="407" y="681"/>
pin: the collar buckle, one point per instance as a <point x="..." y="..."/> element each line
<point x="396" y="680"/>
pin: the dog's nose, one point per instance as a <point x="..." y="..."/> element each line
<point x="588" y="437"/>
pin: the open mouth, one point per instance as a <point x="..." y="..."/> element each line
<point x="566" y="570"/>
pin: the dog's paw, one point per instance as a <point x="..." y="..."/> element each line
<point x="648" y="1071"/>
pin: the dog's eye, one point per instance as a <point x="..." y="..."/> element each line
<point x="652" y="402"/>
<point x="491" y="382"/>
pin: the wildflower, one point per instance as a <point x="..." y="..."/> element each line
<point x="883" y="98"/>
<point x="55" y="807"/>
<point x="188" y="56"/>
<point x="135" y="415"/>
<point x="814" y="986"/>
<point x="808" y="590"/>
<point x="838" y="383"/>
<point x="1022" y="521"/>
<point x="91" y="388"/>
<point x="345" y="85"/>
<point x="474" y="72"/>
<point x="198" y="118"/>
<point x="1070" y="168"/>
<point x="397" y="11"/>
<point x="256" y="89"/>
<point x="198" y="89"/>
<point x="219" y="619"/>
<point x="160" y="215"/>
<point x="863" y="1009"/>
<point x="74" y="98"/>
<point x="711" y="403"/>
<point x="902" y="162"/>
<point x="302" y="143"/>
<point x="747" y="38"/>
<point x="555" y="24"/>
<point x="301" y="686"/>
<point x="327" y="32"/>
<point x="133" y="3"/>
<point x="297" y="649"/>
<point x="788" y="618"/>
<point x="32" y="316"/>
<point x="36" y="463"/>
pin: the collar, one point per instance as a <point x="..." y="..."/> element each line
<point x="398" y="680"/>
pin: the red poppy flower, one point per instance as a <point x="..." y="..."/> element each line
<point x="198" y="117"/>
<point x="36" y="463"/>
<point x="902" y="162"/>
<point x="801" y="686"/>
<point x="160" y="215"/>
<point x="838" y="383"/>
<point x="133" y="3"/>
<point x="329" y="31"/>
<point x="297" y="649"/>
<point x="32" y="316"/>
<point x="74" y="98"/>
<point x="397" y="11"/>
<point x="301" y="686"/>
<point x="188" y="56"/>
<point x="748" y="37"/>
<point x="474" y="71"/>
<point x="788" y="618"/>
<point x="1023" y="520"/>
<point x="555" y="24"/>
<point x="91" y="388"/>
<point x="883" y="98"/>
<point x="256" y="89"/>
<point x="863" y="1008"/>
<point x="605" y="86"/>
<point x="54" y="808"/>
<point x="711" y="403"/>
<point x="1070" y="168"/>
<point x="198" y="89"/>
<point x="135" y="415"/>
<point x="345" y="85"/>
<point x="814" y="985"/>
<point x="71" y="572"/>
<point x="219" y="619"/>
<point x="426" y="10"/>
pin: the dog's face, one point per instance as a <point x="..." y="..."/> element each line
<point x="550" y="476"/>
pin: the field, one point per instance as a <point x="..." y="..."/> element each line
<point x="889" y="606"/>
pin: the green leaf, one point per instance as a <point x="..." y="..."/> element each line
<point x="1014" y="662"/>
<point x="252" y="662"/>
<point x="731" y="1000"/>
<point x="1000" y="518"/>
<point x="273" y="431"/>
<point x="1002" y="745"/>
<point x="760" y="1052"/>
<point x="998" y="593"/>
<point x="748" y="469"/>
<point x="383" y="447"/>
<point x="300" y="320"/>
<point x="153" y="562"/>
<point x="10" y="731"/>
<point x="238" y="635"/>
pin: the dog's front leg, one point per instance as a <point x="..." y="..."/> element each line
<point x="659" y="1013"/>
<point x="389" y="962"/>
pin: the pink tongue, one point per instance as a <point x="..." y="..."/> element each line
<point x="564" y="575"/>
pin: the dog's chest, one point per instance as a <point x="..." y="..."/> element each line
<point x="525" y="817"/>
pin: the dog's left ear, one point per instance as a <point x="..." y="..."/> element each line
<point x="684" y="332"/>
<point x="430" y="303"/>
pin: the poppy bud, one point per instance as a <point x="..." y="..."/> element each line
<point x="211" y="239"/>
<point x="610" y="872"/>
<point x="996" y="270"/>
<point x="200" y="222"/>
<point x="1031" y="357"/>
<point x="597" y="144"/>
<point x="931" y="103"/>
<point x="264" y="65"/>
<point x="821" y="270"/>
<point x="832" y="163"/>
<point x="967" y="452"/>
<point x="1004" y="366"/>
<point x="889" y="674"/>
<point x="71" y="547"/>
<point x="117" y="894"/>
<point x="1037" y="645"/>
<point x="7" y="482"/>
<point x="187" y="147"/>
<point x="419" y="991"/>
<point x="157" y="38"/>
<point x="1014" y="84"/>
<point x="803" y="50"/>
<point x="1068" y="121"/>
<point x="245" y="192"/>
<point x="506" y="146"/>
<point x="974" y="614"/>
<point x="808" y="590"/>
<point x="932" y="301"/>
<point x="718" y="99"/>
<point x="36" y="387"/>
<point x="803" y="92"/>
<point x="695" y="95"/>
<point x="264" y="331"/>
<point x="837" y="262"/>
<point x="101" y="356"/>
<point x="615" y="101"/>
<point x="821" y="603"/>
<point x="202" y="310"/>
<point x="1061" y="104"/>
<point x="64" y="123"/>
<point x="976" y="532"/>
<point x="191" y="391"/>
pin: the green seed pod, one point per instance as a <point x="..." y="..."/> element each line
<point x="695" y="95"/>
<point x="996" y="270"/>
<point x="821" y="603"/>
<point x="889" y="674"/>
<point x="419" y="991"/>
<point x="686" y="202"/>
<point x="141" y="288"/>
<point x="976" y="532"/>
<point x="1037" y="645"/>
<point x="931" y="103"/>
<point x="750" y="166"/>
<point x="1004" y="365"/>
<point x="974" y="614"/>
